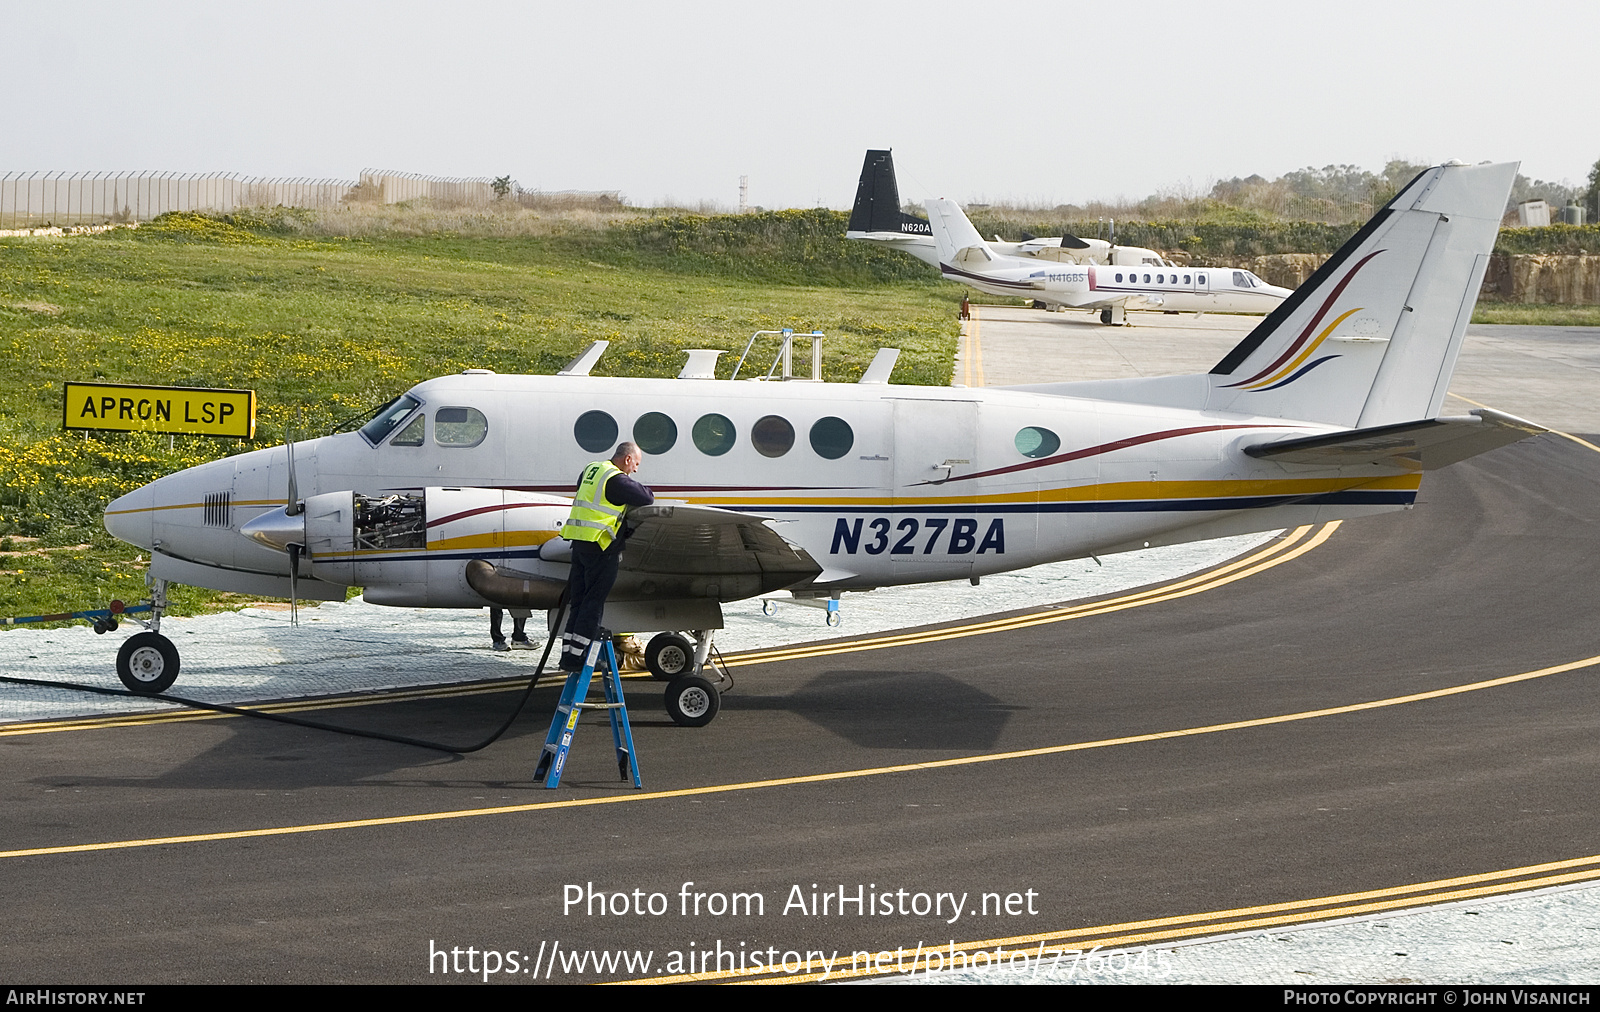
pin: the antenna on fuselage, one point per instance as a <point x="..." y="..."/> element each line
<point x="586" y="359"/>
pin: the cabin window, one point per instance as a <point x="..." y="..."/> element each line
<point x="459" y="426"/>
<point x="388" y="417"/>
<point x="655" y="432"/>
<point x="1119" y="278"/>
<point x="595" y="431"/>
<point x="412" y="434"/>
<point x="832" y="437"/>
<point x="1036" y="442"/>
<point x="713" y="435"/>
<point x="1147" y="279"/>
<point x="1161" y="279"/>
<point x="1186" y="279"/>
<point x="772" y="436"/>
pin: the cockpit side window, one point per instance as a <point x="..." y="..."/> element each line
<point x="459" y="426"/>
<point x="412" y="434"/>
<point x="389" y="416"/>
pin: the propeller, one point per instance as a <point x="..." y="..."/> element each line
<point x="293" y="507"/>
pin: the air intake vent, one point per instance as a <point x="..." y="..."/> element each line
<point x="219" y="509"/>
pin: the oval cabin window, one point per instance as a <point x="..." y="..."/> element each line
<point x="655" y="432"/>
<point x="595" y="431"/>
<point x="1034" y="441"/>
<point x="832" y="437"/>
<point x="772" y="436"/>
<point x="713" y="435"/>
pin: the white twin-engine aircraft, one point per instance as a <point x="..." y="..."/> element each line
<point x="1112" y="289"/>
<point x="453" y="495"/>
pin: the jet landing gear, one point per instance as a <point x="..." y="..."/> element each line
<point x="1114" y="316"/>
<point x="692" y="699"/>
<point x="148" y="662"/>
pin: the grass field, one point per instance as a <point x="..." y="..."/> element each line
<point x="329" y="328"/>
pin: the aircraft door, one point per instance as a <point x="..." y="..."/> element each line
<point x="927" y="537"/>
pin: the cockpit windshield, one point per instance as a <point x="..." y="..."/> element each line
<point x="389" y="416"/>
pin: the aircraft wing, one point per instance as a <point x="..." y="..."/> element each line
<point x="687" y="540"/>
<point x="1416" y="446"/>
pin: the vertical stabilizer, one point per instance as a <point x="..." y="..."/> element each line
<point x="954" y="233"/>
<point x="1372" y="337"/>
<point x="877" y="206"/>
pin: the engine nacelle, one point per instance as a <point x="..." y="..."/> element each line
<point x="412" y="549"/>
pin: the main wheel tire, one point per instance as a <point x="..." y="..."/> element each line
<point x="669" y="655"/>
<point x="147" y="663"/>
<point x="1105" y="316"/>
<point x="692" y="701"/>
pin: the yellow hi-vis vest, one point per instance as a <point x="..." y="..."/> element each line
<point x="594" y="517"/>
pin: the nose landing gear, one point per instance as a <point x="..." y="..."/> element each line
<point x="148" y="662"/>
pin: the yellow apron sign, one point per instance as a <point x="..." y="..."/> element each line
<point x="184" y="410"/>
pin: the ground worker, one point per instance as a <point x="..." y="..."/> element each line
<point x="596" y="531"/>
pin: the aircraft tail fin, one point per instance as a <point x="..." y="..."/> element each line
<point x="1371" y="338"/>
<point x="877" y="206"/>
<point x="955" y="235"/>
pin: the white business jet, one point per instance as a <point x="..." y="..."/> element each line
<point x="452" y="496"/>
<point x="1112" y="289"/>
<point x="1009" y="268"/>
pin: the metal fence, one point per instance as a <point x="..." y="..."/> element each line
<point x="40" y="199"/>
<point x="381" y="186"/>
<point x="61" y="199"/>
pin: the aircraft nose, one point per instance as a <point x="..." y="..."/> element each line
<point x="276" y="529"/>
<point x="129" y="518"/>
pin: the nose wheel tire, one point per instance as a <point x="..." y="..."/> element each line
<point x="692" y="701"/>
<point x="147" y="663"/>
<point x="669" y="656"/>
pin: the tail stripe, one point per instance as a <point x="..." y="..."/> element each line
<point x="1323" y="311"/>
<point x="1310" y="350"/>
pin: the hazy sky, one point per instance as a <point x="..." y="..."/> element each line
<point x="1040" y="102"/>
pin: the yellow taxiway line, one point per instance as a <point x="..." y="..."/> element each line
<point x="1058" y="947"/>
<point x="815" y="778"/>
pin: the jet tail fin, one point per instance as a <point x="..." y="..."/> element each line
<point x="1371" y="338"/>
<point x="877" y="206"/>
<point x="955" y="235"/>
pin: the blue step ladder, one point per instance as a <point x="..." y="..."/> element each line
<point x="574" y="700"/>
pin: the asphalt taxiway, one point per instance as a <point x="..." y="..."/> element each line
<point x="1388" y="712"/>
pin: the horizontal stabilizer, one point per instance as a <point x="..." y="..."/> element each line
<point x="1416" y="446"/>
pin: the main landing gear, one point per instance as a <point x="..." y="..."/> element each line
<point x="148" y="662"/>
<point x="692" y="699"/>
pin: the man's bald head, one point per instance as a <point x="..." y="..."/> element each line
<point x="628" y="457"/>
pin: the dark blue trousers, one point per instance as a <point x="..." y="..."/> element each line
<point x="593" y="574"/>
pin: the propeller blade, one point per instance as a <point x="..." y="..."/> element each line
<point x="291" y="504"/>
<point x="294" y="575"/>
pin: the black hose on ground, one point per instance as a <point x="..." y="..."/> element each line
<point x="240" y="711"/>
